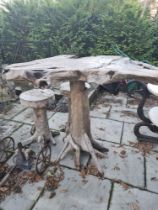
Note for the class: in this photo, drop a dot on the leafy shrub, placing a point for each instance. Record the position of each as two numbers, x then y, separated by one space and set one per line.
82 27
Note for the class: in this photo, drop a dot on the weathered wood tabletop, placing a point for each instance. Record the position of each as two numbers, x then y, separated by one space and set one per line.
97 69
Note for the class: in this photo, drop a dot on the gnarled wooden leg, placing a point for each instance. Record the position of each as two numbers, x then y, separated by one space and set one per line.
79 134
42 130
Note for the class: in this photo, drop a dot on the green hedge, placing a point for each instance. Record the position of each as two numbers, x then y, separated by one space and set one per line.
82 27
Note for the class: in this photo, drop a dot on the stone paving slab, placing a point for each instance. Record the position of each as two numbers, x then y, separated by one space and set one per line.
101 128
58 120
117 101
76 193
100 111
123 163
114 166
124 114
13 111
129 136
68 161
133 199
24 200
26 116
106 129
150 102
132 103
152 172
49 114
7 127
22 134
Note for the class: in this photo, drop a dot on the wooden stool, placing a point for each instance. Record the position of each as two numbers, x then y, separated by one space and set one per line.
38 100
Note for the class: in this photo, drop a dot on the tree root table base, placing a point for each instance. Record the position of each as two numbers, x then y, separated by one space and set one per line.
78 137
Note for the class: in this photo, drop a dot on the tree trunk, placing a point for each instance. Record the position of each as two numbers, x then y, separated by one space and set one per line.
79 133
79 119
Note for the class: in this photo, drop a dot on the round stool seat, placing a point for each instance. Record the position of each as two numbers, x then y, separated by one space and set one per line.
153 115
65 88
153 89
36 98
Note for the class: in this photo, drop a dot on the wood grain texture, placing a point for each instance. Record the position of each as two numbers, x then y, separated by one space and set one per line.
97 69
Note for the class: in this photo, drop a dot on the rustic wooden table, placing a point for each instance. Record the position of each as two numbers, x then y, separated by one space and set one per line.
94 69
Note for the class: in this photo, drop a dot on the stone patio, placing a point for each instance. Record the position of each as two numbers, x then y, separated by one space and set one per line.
130 179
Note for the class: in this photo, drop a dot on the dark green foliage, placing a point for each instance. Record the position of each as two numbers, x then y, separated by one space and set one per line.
82 27
155 40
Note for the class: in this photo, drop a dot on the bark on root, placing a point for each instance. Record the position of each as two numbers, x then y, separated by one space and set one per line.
79 136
